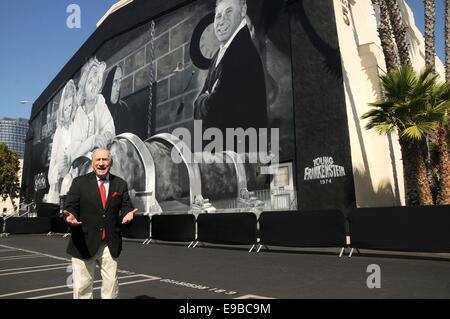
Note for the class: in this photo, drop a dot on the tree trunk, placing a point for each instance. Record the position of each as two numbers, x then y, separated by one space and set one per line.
399 31
447 40
444 168
385 34
430 20
447 45
418 190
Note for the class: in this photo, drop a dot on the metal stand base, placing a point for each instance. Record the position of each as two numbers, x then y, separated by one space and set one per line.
343 250
351 252
260 246
147 241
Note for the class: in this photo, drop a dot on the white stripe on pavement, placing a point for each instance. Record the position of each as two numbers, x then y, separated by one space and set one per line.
97 288
33 267
20 257
56 287
31 271
36 253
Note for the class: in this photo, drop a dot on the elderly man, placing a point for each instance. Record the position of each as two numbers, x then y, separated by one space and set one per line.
234 93
97 204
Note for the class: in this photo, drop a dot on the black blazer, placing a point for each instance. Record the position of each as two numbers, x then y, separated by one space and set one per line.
84 202
239 99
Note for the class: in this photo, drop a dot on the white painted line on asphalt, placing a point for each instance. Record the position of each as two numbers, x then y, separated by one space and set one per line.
20 257
65 259
12 256
119 271
31 271
57 287
201 287
33 267
253 297
97 288
56 257
36 253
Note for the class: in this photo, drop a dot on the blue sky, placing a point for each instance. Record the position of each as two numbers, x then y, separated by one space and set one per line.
36 44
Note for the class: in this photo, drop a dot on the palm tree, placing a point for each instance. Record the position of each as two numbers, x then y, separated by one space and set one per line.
399 31
440 100
386 38
441 97
430 19
405 109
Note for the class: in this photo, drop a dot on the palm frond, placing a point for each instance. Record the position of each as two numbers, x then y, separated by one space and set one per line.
384 128
426 80
412 103
441 108
418 131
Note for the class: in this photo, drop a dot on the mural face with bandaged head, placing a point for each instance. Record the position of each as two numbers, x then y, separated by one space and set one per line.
90 83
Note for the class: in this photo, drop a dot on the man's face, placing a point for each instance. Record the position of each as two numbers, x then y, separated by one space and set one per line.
229 14
101 162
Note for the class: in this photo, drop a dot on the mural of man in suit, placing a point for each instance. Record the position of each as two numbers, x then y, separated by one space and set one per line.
234 93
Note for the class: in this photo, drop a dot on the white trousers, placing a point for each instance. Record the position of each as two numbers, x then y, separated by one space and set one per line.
84 271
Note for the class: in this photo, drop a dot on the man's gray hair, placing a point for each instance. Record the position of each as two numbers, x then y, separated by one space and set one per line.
101 149
241 2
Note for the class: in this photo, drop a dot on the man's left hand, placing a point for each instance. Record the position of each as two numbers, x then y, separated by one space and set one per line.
129 217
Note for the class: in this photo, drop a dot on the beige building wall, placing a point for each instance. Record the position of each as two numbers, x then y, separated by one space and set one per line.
6 205
376 159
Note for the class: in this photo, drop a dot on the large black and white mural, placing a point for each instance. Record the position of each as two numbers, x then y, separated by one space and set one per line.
196 106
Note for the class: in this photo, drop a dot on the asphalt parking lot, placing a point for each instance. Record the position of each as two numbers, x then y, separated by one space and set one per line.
37 267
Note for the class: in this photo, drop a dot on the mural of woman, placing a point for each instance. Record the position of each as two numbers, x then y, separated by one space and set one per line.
93 126
59 161
117 107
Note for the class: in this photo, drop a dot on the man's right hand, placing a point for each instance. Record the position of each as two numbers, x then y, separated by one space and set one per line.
71 219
